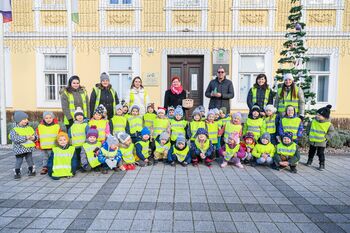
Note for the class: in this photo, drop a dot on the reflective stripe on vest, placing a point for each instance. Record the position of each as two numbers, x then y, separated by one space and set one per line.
72 106
135 124
271 124
254 95
119 124
25 131
181 154
231 128
203 148
47 135
109 154
148 119
231 152
62 161
89 151
177 128
194 126
286 150
288 100
98 97
159 126
161 148
132 98
78 134
101 127
145 148
213 129
254 126
318 131
291 125
128 154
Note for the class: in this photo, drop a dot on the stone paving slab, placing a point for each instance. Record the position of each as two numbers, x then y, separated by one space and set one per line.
167 199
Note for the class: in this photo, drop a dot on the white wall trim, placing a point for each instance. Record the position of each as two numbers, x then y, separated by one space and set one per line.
8 78
186 51
267 52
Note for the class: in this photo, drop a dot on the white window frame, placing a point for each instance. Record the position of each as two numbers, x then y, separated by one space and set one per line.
333 55
338 6
269 5
171 6
106 5
237 52
41 101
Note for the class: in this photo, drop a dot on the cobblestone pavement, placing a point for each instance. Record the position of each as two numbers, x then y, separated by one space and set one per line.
167 199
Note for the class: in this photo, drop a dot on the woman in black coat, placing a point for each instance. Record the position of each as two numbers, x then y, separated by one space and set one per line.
175 95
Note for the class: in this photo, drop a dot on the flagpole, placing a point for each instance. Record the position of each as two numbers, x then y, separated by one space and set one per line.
70 38
2 85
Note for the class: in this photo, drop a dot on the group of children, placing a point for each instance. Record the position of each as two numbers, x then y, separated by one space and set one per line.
129 139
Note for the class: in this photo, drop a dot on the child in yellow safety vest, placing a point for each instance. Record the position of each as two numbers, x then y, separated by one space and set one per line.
291 123
110 156
63 160
149 116
264 151
320 131
118 122
89 150
162 147
142 147
178 125
229 151
23 138
126 147
246 149
195 124
134 123
223 116
126 111
202 148
100 122
287 153
47 132
160 124
255 124
272 121
171 112
213 128
233 126
180 152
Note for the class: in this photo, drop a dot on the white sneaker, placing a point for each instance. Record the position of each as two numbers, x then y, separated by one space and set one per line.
239 165
224 164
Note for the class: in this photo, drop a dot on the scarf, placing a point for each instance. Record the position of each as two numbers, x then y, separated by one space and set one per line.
176 90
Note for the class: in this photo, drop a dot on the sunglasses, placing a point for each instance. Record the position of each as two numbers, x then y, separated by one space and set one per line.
221 72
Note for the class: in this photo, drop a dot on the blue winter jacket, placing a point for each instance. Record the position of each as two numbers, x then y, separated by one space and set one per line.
102 158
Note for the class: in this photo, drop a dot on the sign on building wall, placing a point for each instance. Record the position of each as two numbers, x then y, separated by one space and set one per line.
150 79
221 57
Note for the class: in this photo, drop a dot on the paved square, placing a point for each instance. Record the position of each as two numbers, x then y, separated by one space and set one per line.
167 199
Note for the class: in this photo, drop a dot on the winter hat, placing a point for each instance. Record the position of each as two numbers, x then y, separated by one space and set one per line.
78 112
104 76
288 76
134 106
237 115
145 131
248 135
171 108
62 134
202 131
216 111
196 112
201 108
150 105
18 116
161 110
266 136
112 140
48 113
223 110
179 111
288 135
270 107
210 112
74 77
234 136
325 111
119 106
92 132
255 108
180 139
123 137
164 136
100 109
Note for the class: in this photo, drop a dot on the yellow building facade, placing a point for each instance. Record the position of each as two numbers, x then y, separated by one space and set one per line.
157 39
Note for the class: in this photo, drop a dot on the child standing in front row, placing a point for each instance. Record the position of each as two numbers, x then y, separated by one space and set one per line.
177 125
202 149
321 130
160 124
180 152
47 132
101 123
213 129
255 123
229 151
90 149
109 155
23 137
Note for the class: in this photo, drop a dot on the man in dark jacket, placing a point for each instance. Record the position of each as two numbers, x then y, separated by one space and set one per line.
220 91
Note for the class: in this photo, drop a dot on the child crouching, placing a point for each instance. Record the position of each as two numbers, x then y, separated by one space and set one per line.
229 151
126 147
180 152
143 149
287 153
162 147
90 150
109 155
202 148
264 151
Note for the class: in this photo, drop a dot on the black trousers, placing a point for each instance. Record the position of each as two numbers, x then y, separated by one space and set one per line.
320 153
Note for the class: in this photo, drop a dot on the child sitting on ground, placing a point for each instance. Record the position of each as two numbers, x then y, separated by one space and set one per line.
109 155
180 152
287 153
229 151
90 150
126 147
264 151
143 148
23 137
202 149
162 147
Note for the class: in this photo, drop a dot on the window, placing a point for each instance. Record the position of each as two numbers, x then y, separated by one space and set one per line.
186 3
250 67
55 71
120 1
252 3
322 2
120 71
320 72
51 4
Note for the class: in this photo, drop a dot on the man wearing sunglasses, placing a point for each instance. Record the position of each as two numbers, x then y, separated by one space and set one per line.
220 91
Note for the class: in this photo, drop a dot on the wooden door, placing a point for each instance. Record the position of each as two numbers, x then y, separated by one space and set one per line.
190 70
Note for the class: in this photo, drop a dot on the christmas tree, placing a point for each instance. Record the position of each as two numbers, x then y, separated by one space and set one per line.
293 59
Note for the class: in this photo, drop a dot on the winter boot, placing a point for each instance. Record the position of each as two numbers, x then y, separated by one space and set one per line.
195 162
321 167
184 164
31 171
172 164
309 162
17 174
293 169
208 162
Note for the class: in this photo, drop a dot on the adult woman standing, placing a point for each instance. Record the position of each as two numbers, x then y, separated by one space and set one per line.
104 94
138 95
73 96
175 95
290 94
260 94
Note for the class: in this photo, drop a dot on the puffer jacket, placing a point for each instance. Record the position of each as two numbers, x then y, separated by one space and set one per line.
225 88
106 100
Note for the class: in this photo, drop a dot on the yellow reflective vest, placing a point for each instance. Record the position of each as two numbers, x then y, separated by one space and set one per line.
288 100
203 148
260 149
287 150
148 119
213 129
62 161
177 128
128 154
291 125
254 95
47 135
255 126
89 151
318 131
135 124
98 97
25 131
119 124
159 126
161 148
230 153
181 154
194 126
145 148
101 127
270 124
72 106
232 128
78 134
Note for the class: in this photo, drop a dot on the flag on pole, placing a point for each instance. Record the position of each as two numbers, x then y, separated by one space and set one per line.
6 10
75 15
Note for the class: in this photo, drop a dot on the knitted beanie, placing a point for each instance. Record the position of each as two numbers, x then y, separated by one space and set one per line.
171 108
237 115
104 76
255 108
288 76
223 110
123 137
92 132
135 107
266 136
150 105
234 136
210 112
325 111
161 110
179 111
270 107
112 140
201 108
216 111
145 131
118 106
100 109
196 112
248 135
164 136
288 135
18 116
78 112
48 113
180 139
202 131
